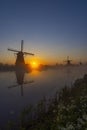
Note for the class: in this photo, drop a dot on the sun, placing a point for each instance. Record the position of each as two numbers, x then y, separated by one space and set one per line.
34 65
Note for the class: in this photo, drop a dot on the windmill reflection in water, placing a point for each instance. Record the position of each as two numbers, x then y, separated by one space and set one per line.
20 80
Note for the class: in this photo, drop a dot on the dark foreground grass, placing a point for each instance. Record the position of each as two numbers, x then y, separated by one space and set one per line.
67 110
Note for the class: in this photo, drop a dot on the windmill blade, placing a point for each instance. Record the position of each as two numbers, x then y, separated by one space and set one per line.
13 86
28 82
26 53
68 59
12 50
22 45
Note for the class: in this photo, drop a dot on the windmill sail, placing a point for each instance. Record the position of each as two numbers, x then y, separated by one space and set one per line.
9 49
22 45
26 53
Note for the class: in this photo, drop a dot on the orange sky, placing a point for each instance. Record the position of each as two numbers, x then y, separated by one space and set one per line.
10 58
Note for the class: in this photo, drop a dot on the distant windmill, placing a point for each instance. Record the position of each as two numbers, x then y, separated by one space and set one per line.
80 63
20 55
68 61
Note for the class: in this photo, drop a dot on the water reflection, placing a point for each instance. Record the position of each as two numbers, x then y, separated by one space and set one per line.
46 84
20 81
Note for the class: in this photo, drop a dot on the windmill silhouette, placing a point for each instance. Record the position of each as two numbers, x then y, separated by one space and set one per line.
68 61
80 63
20 56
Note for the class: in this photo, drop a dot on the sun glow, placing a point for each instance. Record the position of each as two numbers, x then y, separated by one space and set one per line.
34 65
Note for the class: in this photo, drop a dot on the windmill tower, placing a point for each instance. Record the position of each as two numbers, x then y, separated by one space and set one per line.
68 61
20 56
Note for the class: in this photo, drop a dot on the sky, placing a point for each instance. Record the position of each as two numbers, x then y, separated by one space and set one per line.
51 29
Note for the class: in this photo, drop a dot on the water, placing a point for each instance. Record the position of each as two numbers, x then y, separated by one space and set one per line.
17 90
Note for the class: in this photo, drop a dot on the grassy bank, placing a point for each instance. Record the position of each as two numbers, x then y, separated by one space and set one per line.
67 110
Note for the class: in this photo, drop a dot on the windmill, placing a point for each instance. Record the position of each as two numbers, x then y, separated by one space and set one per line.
20 56
80 63
68 61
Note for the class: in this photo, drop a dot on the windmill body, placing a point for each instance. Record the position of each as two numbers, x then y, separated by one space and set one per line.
68 62
20 59
20 63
